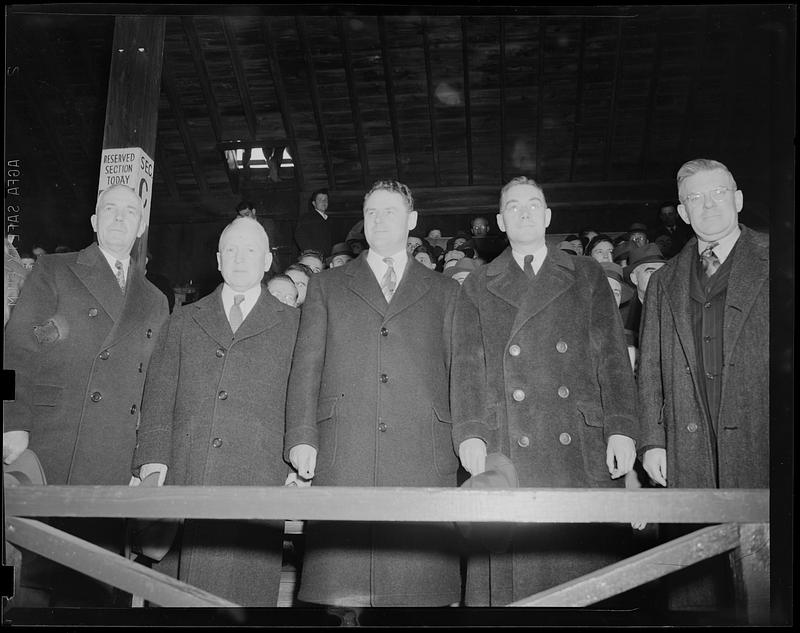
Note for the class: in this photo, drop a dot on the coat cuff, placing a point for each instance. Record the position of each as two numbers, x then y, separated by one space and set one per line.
621 425
152 447
294 437
467 430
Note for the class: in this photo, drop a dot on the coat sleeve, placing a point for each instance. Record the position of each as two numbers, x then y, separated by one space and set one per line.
306 373
650 378
613 366
36 306
154 435
469 387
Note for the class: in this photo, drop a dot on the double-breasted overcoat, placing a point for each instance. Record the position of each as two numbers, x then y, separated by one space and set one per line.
672 411
214 413
369 390
541 374
80 349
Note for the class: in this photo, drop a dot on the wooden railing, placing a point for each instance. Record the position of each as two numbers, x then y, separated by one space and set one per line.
739 518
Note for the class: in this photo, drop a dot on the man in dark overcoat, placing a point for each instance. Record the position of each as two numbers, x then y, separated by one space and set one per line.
313 231
541 374
368 406
214 411
79 341
704 352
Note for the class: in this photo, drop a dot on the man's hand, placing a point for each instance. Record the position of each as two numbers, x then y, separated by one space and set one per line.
620 455
147 470
655 465
632 483
303 459
472 453
14 443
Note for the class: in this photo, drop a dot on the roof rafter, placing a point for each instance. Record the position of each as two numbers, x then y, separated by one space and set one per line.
467 97
352 93
241 78
390 98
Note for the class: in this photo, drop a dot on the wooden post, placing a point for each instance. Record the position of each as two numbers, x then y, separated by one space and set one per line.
134 86
751 572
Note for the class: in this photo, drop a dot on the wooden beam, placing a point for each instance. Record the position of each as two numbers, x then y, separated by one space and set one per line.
313 91
540 100
578 101
241 79
638 570
751 565
203 79
740 48
523 505
107 566
651 98
467 97
612 112
426 47
701 38
502 73
163 168
347 59
283 101
174 100
390 99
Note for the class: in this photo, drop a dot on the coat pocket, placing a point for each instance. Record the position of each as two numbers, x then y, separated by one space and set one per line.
445 459
326 429
46 395
593 443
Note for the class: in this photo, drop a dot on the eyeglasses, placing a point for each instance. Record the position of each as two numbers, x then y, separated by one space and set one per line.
515 208
695 199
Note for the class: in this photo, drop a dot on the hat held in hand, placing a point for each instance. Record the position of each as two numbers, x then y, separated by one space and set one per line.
500 474
25 470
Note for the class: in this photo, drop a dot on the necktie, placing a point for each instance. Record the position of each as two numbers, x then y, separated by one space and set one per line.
709 260
389 279
528 268
236 317
120 275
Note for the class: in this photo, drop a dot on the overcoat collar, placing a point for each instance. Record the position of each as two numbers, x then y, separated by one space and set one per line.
92 269
209 314
413 285
506 281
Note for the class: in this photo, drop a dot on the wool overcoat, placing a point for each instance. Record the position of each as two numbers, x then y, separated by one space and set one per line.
214 413
369 390
541 374
672 411
80 349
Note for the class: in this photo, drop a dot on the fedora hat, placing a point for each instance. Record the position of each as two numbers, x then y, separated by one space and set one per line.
26 470
614 271
642 255
500 474
152 538
464 264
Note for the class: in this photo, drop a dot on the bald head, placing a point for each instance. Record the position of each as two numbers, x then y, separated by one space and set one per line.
244 254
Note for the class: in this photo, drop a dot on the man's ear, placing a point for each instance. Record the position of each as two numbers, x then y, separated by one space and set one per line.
738 198
93 221
219 262
412 219
267 261
683 213
548 214
142 227
500 223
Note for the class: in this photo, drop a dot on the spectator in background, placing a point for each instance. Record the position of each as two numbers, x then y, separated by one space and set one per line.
435 234
480 226
246 209
451 257
315 260
457 240
672 233
461 269
577 243
637 235
643 262
27 260
600 248
63 249
313 230
300 275
486 246
587 233
340 255
425 256
567 247
38 251
412 243
283 289
622 248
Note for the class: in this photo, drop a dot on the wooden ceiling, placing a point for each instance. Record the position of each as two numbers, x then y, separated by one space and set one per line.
599 104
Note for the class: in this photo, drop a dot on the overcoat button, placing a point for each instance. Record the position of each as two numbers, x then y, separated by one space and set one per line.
141 365
92 312
384 378
382 427
687 369
514 350
96 396
216 442
149 333
561 346
384 332
563 392
691 427
133 409
518 395
524 441
565 438
709 375
707 305
222 395
220 352
105 354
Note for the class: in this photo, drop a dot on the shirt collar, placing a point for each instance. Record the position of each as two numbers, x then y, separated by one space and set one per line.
538 257
724 245
250 298
113 259
378 267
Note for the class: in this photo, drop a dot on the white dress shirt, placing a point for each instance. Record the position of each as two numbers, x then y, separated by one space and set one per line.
112 261
724 246
379 268
538 258
250 298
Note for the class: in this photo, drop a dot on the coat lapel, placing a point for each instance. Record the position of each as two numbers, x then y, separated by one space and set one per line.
263 316
363 283
413 286
749 272
92 269
137 306
210 316
503 281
